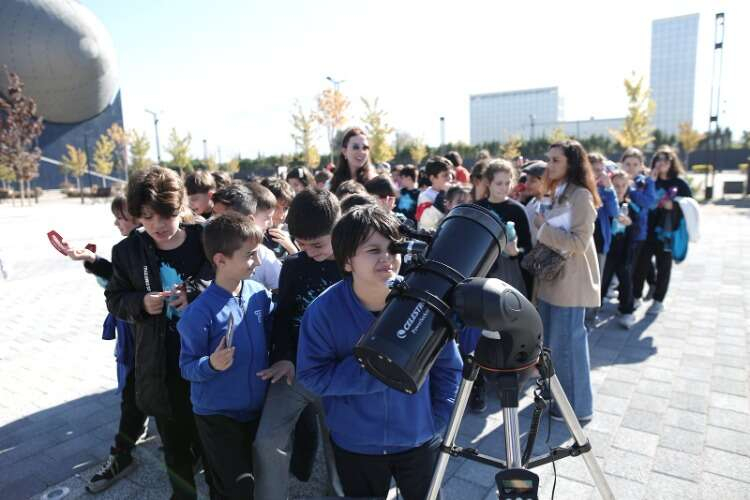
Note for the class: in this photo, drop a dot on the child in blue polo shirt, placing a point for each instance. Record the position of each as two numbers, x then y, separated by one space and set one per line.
377 432
223 335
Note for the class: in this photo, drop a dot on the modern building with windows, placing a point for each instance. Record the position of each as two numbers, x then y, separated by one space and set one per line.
497 116
674 45
528 114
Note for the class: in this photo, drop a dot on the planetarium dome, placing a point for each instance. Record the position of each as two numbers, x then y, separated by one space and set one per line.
63 54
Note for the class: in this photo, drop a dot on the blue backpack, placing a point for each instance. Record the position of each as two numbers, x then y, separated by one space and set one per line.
680 239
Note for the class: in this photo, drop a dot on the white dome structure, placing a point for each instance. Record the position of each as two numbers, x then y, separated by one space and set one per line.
63 54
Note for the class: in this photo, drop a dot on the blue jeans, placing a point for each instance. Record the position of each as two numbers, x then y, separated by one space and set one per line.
565 334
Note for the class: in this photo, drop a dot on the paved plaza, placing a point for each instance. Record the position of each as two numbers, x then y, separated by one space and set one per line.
671 395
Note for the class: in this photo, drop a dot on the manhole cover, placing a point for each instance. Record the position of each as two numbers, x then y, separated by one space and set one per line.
56 493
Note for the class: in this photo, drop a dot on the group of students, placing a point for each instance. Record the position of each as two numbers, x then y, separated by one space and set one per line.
236 318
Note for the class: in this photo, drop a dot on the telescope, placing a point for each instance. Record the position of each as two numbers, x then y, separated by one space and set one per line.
443 290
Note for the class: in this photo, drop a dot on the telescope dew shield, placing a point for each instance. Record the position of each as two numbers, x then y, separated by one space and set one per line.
402 344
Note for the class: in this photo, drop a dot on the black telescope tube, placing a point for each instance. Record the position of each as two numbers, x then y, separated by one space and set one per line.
402 344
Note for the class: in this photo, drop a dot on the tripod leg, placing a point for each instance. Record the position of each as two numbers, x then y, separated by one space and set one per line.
452 431
512 438
558 395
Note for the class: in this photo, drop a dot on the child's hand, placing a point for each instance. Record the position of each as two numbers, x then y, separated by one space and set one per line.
277 371
153 303
282 239
81 254
604 180
178 299
625 220
223 356
512 248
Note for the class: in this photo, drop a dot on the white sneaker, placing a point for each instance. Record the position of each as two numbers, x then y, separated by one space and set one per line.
656 308
627 321
637 303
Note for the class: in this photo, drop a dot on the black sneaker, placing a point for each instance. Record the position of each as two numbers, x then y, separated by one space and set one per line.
115 468
477 404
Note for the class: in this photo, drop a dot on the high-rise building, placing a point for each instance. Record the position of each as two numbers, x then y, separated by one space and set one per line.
674 44
497 116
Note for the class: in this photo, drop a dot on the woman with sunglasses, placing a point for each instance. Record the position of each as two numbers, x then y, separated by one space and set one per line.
666 170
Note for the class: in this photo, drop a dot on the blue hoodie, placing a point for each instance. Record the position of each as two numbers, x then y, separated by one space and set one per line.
604 214
643 198
237 392
364 415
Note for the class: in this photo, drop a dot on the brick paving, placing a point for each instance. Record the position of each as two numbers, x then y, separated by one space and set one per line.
671 395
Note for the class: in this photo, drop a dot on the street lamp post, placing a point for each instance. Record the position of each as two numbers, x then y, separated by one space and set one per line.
156 129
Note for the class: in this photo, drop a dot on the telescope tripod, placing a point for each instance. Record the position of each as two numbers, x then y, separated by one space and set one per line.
515 480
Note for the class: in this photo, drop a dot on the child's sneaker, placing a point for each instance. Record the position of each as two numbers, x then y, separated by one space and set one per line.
115 468
627 321
656 308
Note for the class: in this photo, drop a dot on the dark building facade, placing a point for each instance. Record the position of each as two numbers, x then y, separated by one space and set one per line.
83 135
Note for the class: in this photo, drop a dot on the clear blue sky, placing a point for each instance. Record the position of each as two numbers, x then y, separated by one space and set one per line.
229 71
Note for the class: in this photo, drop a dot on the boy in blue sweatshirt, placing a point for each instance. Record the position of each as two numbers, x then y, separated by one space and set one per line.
223 336
377 432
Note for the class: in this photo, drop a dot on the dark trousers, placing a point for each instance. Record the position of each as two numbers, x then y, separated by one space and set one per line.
650 249
620 262
178 433
228 445
132 420
370 475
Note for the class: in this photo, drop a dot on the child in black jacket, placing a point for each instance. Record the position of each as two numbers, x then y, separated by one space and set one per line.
157 270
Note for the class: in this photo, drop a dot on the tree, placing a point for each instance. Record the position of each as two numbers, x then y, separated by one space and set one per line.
637 129
304 135
121 140
332 106
139 147
77 163
211 164
512 148
663 138
558 135
6 175
417 151
20 128
103 151
232 167
745 141
179 148
377 132
689 139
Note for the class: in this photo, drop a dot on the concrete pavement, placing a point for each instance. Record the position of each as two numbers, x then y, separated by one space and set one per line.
671 394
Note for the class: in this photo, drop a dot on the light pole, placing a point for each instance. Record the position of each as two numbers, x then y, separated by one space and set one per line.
205 151
336 84
156 129
442 130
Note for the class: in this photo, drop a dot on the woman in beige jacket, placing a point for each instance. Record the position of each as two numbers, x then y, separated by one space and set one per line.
568 228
